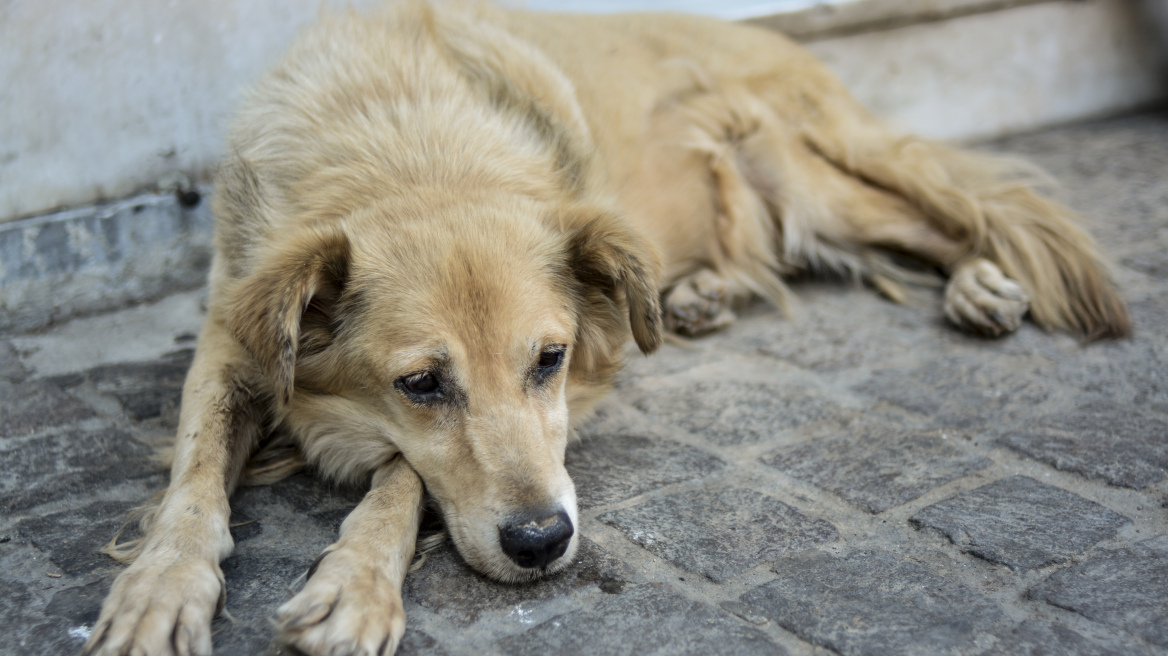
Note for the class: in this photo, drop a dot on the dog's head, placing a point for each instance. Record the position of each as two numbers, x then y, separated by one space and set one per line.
466 335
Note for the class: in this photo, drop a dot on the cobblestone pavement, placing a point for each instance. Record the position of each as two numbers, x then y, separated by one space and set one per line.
858 478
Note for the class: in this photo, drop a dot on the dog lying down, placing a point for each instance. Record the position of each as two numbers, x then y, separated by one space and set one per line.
436 230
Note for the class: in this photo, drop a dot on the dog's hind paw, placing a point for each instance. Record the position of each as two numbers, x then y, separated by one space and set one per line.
159 606
350 606
699 304
981 299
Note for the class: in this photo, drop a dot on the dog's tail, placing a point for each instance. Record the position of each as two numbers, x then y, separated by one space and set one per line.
989 206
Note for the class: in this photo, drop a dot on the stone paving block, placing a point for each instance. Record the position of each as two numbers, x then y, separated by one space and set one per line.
34 406
258 581
1034 638
72 538
144 389
879 467
874 603
719 533
959 392
1108 441
27 627
1125 588
646 620
52 467
11 369
729 413
448 586
417 643
608 468
1021 523
835 330
301 507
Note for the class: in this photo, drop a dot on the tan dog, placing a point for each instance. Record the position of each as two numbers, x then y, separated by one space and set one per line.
436 231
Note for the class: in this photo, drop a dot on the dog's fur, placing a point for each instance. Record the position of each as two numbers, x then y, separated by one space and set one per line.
484 206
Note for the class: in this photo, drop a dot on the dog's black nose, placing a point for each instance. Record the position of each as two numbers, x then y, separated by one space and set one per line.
534 541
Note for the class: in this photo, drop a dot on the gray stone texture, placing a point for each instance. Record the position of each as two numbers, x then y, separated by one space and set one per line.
874 603
1114 442
611 467
145 390
958 392
1020 522
649 619
877 467
1050 639
35 406
730 412
448 586
96 258
71 464
719 533
1126 588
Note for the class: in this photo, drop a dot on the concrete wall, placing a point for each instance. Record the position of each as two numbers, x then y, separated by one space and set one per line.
100 100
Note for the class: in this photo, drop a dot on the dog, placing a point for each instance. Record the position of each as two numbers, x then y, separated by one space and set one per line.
437 229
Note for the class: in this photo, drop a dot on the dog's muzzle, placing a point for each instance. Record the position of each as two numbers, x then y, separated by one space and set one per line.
536 540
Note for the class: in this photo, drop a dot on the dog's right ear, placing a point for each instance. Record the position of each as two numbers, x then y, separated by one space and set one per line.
289 301
607 255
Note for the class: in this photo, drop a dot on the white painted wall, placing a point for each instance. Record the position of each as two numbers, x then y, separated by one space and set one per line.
1007 71
102 98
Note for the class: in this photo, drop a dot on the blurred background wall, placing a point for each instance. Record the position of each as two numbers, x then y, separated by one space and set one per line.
102 99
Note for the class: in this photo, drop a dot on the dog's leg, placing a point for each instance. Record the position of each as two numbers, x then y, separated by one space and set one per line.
351 602
987 206
165 601
701 302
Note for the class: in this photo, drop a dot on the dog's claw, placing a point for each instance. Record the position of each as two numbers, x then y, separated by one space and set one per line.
980 299
698 304
350 607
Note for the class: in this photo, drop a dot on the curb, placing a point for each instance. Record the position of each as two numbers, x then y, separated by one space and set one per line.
101 257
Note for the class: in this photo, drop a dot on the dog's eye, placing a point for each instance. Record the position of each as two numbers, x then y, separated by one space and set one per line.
423 384
550 360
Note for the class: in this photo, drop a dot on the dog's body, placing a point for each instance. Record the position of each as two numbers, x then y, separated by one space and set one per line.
436 231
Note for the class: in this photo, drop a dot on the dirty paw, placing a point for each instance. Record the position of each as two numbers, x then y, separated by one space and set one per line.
349 606
981 299
159 606
698 304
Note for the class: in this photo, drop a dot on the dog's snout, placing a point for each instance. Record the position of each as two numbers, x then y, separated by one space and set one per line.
536 540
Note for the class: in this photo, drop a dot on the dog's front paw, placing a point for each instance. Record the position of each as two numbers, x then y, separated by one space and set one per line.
698 304
160 605
350 606
982 299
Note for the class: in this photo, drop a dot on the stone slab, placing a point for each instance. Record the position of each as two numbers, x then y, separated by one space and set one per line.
449 587
1125 588
72 538
35 406
73 463
1108 441
879 467
1021 523
647 620
144 389
719 533
955 391
1035 638
729 413
873 603
612 467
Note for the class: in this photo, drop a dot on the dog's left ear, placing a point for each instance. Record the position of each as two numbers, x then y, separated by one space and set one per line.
287 305
606 254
